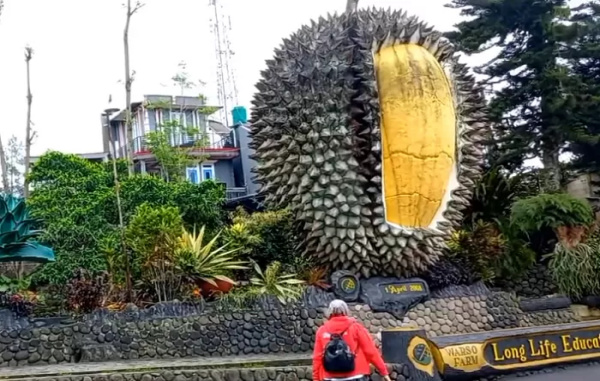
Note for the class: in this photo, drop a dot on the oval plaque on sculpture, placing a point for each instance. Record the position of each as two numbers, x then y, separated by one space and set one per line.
393 295
345 285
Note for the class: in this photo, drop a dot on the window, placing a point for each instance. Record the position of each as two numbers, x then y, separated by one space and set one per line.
176 116
192 175
208 172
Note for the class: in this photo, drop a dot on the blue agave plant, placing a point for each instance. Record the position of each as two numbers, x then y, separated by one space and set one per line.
17 233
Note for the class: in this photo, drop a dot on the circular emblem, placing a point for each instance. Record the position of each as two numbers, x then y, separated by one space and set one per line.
422 354
348 285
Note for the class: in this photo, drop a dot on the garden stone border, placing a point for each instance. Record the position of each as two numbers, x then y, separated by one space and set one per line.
399 372
546 303
591 301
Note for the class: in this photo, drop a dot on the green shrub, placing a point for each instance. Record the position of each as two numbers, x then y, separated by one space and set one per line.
479 249
539 217
489 251
271 282
77 201
199 204
74 198
575 269
152 237
550 211
264 236
517 256
493 197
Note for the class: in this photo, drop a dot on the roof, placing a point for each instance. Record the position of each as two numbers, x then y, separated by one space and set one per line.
88 155
218 127
120 116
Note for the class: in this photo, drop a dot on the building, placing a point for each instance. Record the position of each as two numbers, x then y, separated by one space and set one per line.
586 186
223 156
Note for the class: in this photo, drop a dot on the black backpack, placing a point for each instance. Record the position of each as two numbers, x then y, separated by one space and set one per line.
338 358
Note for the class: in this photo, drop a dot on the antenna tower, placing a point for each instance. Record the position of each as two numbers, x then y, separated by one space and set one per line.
220 27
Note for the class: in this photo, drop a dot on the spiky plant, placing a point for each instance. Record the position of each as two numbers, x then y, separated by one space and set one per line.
206 261
18 233
272 282
369 129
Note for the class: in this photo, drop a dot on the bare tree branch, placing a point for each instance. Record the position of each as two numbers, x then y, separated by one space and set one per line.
28 135
129 76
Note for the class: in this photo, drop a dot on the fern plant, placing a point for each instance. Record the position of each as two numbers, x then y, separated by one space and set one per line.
550 211
272 282
575 269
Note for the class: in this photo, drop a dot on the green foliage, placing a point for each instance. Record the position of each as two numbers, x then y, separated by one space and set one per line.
535 113
575 269
205 261
490 251
18 233
199 204
271 282
12 285
264 236
481 248
75 199
173 160
552 211
151 235
493 197
517 257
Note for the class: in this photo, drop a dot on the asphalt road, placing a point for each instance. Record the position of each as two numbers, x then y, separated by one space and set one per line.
576 373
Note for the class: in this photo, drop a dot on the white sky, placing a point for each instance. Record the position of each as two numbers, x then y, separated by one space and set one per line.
78 59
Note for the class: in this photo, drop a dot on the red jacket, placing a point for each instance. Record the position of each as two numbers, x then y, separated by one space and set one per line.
358 339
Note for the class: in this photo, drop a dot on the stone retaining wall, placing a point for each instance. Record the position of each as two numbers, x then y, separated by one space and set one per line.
295 373
287 329
536 283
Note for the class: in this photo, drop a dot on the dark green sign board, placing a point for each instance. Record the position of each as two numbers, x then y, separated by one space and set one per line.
511 350
541 348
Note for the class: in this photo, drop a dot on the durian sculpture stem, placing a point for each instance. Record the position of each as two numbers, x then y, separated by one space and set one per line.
369 129
351 6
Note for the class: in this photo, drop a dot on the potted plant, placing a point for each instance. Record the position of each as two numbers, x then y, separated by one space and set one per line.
207 265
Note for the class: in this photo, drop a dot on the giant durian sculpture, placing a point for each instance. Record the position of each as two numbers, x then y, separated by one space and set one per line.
369 129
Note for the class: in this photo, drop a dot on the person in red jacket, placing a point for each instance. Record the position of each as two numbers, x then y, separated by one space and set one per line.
359 341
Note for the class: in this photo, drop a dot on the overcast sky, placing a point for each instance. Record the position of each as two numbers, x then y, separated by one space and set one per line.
78 59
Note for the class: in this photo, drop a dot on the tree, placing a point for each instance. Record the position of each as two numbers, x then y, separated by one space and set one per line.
129 76
174 159
584 58
14 164
29 134
533 111
2 155
3 168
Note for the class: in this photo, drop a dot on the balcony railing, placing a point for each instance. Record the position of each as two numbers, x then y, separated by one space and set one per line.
233 193
206 141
